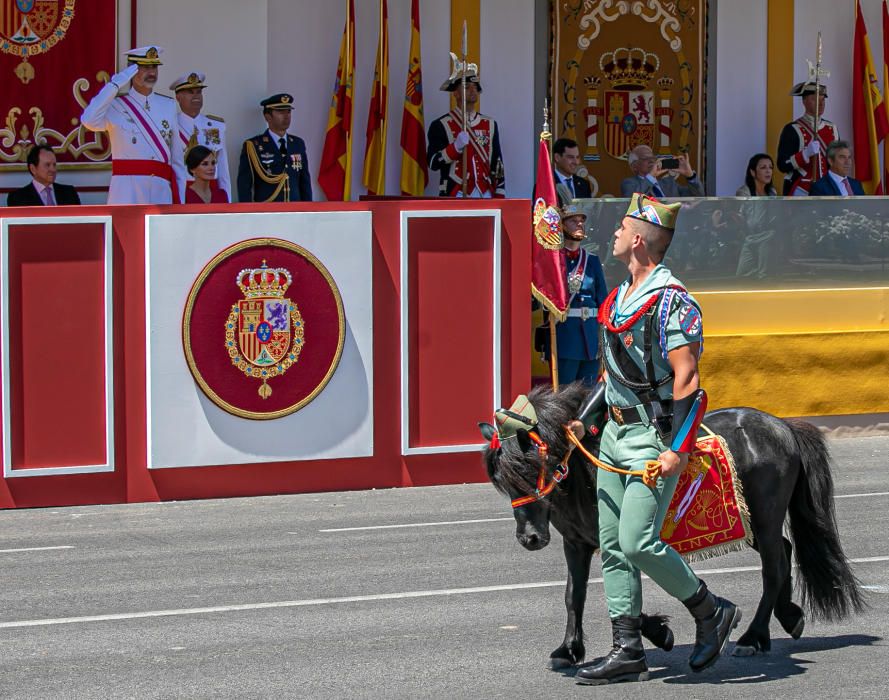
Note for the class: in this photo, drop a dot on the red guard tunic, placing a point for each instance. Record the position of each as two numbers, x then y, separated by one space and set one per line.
484 162
801 171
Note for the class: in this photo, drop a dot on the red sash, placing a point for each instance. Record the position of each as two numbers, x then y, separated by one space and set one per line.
149 168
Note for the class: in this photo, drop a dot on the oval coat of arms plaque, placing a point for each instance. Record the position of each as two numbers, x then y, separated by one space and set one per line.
263 328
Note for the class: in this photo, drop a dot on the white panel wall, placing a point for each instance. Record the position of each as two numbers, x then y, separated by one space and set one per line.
507 73
741 30
836 21
304 43
226 39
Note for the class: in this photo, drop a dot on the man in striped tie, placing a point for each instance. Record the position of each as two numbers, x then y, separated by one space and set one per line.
147 163
837 182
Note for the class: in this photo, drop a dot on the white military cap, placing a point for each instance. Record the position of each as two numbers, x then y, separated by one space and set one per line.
145 56
187 81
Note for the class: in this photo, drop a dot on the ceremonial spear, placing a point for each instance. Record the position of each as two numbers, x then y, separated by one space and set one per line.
817 73
463 48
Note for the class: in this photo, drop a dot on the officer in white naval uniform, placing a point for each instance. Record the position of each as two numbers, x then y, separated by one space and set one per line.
196 129
147 165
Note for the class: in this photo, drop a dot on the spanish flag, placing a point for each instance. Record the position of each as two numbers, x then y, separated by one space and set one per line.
375 151
870 123
885 89
335 173
548 274
414 169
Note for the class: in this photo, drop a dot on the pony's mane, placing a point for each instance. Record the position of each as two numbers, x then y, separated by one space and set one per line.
514 466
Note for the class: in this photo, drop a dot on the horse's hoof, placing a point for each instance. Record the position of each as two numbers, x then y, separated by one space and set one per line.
798 628
743 650
559 664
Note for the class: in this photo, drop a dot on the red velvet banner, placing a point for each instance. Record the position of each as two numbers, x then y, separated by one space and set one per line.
54 56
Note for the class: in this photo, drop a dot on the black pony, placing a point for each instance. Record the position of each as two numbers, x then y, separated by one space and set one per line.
784 468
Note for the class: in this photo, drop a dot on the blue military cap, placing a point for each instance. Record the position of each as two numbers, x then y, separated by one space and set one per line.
280 101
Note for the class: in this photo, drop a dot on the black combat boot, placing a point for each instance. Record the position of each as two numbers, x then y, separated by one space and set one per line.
715 618
625 661
656 629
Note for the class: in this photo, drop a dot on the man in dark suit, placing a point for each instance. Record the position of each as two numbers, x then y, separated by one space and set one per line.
566 160
43 189
274 166
837 182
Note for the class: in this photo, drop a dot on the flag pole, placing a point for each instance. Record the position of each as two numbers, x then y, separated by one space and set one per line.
464 49
817 168
546 135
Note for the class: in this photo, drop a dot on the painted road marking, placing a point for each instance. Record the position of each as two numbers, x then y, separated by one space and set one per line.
395 527
35 549
405 595
864 495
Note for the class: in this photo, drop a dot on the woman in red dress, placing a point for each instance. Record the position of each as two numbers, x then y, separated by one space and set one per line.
201 164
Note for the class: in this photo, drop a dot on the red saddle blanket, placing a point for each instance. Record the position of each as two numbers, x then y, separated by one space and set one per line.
708 516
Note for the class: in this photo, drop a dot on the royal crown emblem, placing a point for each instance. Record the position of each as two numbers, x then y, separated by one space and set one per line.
151 54
193 79
31 27
264 333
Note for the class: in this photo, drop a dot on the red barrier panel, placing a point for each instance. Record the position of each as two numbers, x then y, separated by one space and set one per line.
450 320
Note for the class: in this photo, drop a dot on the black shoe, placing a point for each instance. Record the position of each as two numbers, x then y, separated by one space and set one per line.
656 629
715 618
625 661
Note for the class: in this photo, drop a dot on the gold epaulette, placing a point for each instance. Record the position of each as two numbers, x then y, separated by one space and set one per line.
160 94
215 118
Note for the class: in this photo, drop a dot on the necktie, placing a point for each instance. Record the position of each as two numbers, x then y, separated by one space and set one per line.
656 189
48 199
570 182
282 147
847 186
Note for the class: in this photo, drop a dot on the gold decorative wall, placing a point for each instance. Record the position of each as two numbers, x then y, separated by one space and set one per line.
625 73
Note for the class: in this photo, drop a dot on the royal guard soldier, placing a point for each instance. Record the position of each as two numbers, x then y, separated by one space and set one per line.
480 140
197 129
274 166
577 337
147 164
802 154
651 341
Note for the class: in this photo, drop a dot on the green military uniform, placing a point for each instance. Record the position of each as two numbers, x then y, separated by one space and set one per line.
630 513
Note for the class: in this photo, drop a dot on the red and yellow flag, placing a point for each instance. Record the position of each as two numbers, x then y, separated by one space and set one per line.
548 274
885 88
870 123
374 178
414 169
335 173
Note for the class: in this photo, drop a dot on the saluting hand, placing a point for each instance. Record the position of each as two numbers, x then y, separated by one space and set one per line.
125 76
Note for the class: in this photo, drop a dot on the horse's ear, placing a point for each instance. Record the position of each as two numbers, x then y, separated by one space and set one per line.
488 431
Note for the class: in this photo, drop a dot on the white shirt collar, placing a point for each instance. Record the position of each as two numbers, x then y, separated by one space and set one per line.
39 187
562 176
838 181
275 138
651 178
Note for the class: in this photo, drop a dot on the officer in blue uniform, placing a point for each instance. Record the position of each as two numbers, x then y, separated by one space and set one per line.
577 337
274 166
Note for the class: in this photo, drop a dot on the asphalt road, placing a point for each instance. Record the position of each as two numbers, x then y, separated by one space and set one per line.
410 593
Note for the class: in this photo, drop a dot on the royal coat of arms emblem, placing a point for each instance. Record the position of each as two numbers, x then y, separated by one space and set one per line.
32 27
264 333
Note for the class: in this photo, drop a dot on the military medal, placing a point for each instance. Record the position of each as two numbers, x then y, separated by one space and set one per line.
628 339
575 281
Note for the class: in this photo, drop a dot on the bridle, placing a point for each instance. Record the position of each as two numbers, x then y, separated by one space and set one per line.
544 487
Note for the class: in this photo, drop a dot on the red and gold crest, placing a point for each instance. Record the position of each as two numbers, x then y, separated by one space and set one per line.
263 328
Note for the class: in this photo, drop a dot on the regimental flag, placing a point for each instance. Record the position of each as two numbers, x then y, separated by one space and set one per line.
374 178
414 168
870 123
335 173
548 274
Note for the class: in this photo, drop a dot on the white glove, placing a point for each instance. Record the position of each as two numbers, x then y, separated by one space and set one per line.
125 76
461 141
813 149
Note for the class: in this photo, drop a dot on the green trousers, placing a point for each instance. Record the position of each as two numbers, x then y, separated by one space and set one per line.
630 518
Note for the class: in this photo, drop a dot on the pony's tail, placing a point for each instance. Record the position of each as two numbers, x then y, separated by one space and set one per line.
829 588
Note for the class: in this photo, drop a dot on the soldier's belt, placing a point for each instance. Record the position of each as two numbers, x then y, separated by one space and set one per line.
142 167
631 415
584 312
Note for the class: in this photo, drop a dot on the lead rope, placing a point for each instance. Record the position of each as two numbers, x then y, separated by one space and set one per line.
649 475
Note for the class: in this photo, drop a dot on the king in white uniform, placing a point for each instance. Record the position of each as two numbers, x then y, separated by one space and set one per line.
196 129
147 165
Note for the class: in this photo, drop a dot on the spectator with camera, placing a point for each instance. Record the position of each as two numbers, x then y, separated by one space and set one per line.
658 177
